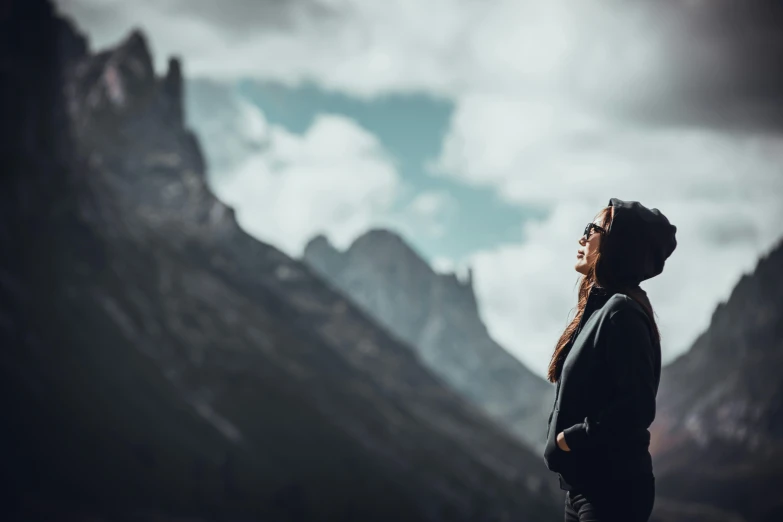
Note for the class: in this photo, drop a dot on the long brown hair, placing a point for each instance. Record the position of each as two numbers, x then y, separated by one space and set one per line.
586 284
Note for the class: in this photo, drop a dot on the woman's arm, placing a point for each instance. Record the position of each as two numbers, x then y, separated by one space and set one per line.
631 362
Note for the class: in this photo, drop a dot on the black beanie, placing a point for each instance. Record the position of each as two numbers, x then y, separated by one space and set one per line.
637 244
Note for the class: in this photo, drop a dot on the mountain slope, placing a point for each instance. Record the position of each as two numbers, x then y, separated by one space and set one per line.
438 315
159 363
718 436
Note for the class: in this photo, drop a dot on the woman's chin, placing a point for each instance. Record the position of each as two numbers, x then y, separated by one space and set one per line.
581 267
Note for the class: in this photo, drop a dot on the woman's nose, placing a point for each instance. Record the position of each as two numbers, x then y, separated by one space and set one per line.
582 241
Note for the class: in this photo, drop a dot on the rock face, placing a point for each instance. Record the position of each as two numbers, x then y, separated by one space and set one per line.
438 315
159 363
718 436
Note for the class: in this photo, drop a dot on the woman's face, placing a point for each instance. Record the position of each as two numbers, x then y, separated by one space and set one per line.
588 249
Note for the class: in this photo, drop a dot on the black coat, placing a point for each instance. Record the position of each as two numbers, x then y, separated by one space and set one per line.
605 399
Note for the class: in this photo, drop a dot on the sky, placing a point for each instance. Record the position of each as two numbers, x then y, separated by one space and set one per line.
488 134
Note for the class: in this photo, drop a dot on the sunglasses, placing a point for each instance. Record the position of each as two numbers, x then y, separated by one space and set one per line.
589 228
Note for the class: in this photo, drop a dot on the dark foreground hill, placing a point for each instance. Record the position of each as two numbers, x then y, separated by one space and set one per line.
158 363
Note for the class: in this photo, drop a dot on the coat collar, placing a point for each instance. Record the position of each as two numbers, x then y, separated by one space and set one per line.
597 298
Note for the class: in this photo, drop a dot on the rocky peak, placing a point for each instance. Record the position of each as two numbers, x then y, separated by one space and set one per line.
384 246
754 306
172 89
118 80
385 252
330 259
438 315
115 92
319 242
129 120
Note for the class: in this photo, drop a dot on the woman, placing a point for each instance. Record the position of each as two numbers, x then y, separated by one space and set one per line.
607 367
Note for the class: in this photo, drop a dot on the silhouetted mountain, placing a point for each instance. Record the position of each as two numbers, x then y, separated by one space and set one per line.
438 315
718 436
159 363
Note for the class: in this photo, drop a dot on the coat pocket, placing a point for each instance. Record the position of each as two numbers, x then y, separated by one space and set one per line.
554 456
552 453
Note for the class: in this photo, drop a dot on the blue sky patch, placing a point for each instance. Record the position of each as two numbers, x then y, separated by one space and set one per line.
411 127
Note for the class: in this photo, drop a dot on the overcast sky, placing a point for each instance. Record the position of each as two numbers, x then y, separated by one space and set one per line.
489 133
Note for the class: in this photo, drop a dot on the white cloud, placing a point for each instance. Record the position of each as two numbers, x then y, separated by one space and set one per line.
431 203
429 213
443 265
534 152
336 178
722 191
231 128
366 48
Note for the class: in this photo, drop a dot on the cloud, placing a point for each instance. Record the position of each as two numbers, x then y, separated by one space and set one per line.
725 61
721 190
370 48
233 21
543 150
443 265
231 128
430 212
336 178
663 62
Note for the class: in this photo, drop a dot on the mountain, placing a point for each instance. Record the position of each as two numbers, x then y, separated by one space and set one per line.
438 315
718 435
717 440
159 363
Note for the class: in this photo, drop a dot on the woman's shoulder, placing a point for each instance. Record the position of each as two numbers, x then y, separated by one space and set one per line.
626 312
620 302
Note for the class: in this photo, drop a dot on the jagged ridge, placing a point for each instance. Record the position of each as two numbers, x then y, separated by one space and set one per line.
438 315
719 431
162 363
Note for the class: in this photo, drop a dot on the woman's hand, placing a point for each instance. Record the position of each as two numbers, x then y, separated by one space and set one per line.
561 442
